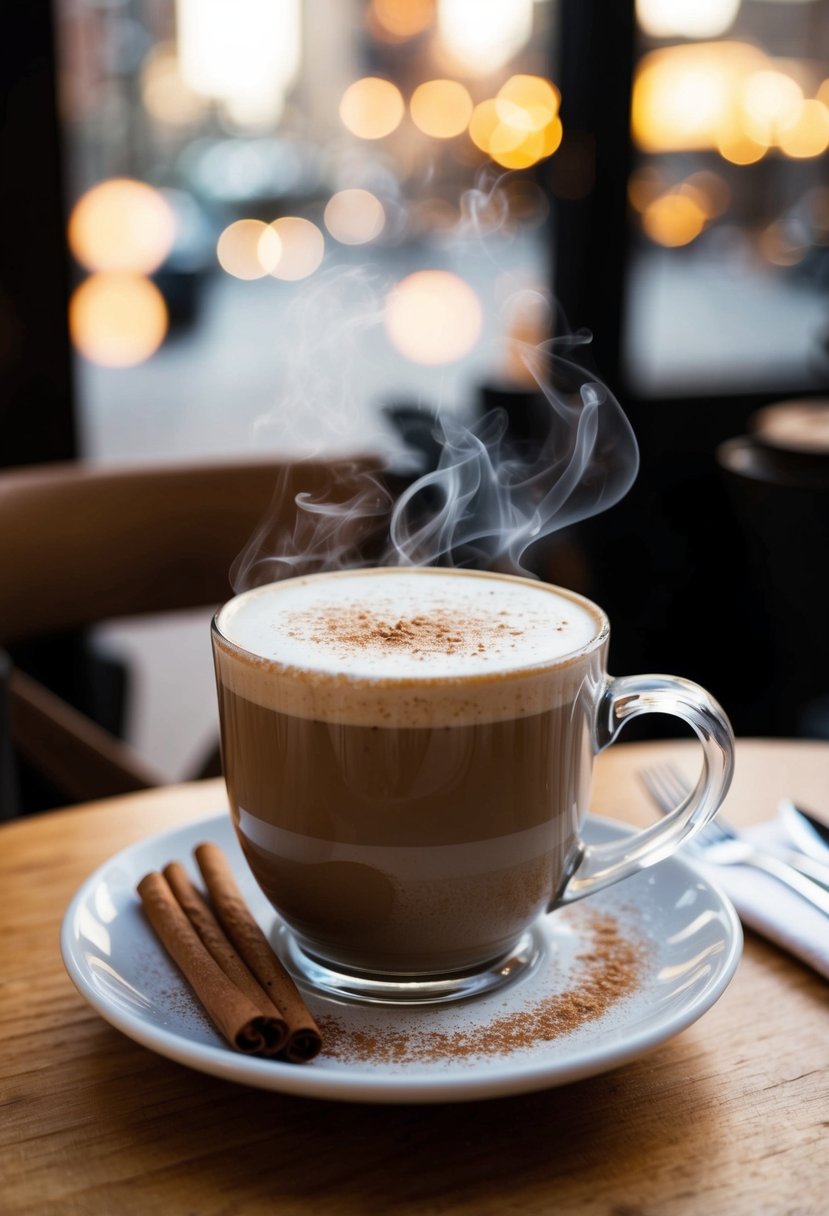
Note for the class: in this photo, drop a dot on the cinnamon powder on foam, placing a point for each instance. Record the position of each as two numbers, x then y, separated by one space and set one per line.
438 633
610 968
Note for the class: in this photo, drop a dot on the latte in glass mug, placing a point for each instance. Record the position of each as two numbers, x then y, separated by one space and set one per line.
408 756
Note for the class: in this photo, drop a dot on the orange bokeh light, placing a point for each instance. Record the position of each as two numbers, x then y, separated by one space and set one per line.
808 135
403 19
536 96
117 319
687 98
372 108
520 126
675 218
121 224
739 149
441 108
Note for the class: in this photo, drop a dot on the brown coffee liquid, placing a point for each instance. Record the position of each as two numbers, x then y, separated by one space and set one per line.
405 850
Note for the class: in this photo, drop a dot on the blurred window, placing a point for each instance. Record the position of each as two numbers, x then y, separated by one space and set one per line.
728 280
287 215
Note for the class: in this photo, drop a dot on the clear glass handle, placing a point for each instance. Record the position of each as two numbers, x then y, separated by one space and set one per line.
597 866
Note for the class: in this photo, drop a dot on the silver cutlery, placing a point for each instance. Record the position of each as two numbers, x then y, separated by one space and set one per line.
719 843
808 833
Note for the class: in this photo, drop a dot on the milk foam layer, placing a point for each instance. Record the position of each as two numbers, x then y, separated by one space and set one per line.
376 645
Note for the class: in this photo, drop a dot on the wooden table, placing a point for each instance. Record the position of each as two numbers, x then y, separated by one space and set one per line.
729 1117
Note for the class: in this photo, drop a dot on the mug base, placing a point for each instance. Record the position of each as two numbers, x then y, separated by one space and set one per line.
365 988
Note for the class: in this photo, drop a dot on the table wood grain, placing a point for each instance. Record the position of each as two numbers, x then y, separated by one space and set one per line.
731 1116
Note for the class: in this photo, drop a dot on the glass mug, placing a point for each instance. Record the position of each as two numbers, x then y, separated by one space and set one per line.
408 757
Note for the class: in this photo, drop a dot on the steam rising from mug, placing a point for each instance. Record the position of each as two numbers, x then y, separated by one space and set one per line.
491 496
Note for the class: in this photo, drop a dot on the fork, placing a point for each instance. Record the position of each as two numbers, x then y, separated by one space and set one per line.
720 844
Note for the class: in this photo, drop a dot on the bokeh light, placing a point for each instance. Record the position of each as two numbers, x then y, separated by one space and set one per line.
166 95
520 126
117 319
121 224
302 248
483 35
707 191
537 97
770 100
484 121
402 19
686 18
675 218
354 217
808 134
739 149
728 96
246 54
686 98
532 148
371 108
433 317
441 108
248 249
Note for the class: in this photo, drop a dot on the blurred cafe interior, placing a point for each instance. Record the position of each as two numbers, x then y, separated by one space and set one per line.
262 230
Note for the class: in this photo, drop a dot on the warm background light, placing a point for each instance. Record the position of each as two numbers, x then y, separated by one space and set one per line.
483 35
245 54
117 319
686 98
248 249
770 100
808 134
649 193
483 123
433 317
520 126
354 217
302 245
401 19
441 108
739 149
537 97
674 219
372 108
686 18
121 224
166 95
728 96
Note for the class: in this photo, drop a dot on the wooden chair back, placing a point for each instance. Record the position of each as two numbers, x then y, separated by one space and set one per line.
81 544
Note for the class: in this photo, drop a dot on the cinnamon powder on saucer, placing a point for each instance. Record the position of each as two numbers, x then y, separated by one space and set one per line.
609 968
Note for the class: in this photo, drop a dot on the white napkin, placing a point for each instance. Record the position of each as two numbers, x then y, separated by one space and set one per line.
769 907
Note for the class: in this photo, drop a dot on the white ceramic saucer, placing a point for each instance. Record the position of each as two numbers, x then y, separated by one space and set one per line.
685 932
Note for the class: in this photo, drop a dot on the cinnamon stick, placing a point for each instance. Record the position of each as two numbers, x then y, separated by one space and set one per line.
234 1014
198 912
304 1038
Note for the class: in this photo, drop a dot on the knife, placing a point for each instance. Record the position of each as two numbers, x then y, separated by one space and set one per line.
808 833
